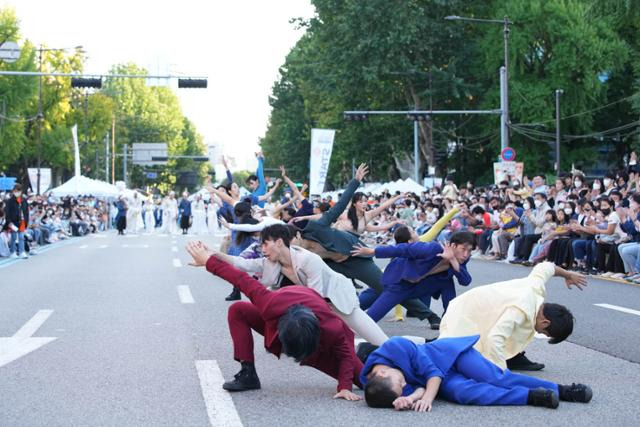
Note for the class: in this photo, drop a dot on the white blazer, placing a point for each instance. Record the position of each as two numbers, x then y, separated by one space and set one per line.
312 272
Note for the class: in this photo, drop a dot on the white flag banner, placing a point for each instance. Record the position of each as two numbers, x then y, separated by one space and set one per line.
45 179
321 147
76 149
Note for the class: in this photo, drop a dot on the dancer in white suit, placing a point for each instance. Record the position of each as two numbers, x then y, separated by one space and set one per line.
173 213
199 225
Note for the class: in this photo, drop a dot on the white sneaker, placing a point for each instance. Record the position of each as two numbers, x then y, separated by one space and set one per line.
23 255
13 255
33 252
607 274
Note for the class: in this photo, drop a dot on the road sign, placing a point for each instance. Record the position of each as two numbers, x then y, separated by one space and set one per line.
508 154
152 175
143 153
9 52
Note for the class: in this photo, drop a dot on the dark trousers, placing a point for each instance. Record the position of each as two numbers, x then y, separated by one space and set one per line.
365 270
608 258
122 224
526 244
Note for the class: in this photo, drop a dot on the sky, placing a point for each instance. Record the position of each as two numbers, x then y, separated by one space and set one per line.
238 45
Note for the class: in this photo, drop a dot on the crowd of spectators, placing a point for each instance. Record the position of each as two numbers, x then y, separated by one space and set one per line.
586 224
29 222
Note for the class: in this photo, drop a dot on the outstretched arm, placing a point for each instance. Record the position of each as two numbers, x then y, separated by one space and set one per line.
377 211
266 196
330 216
222 195
294 189
262 184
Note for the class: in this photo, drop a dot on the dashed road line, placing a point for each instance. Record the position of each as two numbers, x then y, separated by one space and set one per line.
618 308
177 262
184 293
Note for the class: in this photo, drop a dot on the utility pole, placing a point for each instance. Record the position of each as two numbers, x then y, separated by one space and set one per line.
39 118
559 92
125 149
113 150
106 157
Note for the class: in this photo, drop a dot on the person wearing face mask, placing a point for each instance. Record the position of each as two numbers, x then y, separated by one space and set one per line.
630 251
537 218
609 184
17 221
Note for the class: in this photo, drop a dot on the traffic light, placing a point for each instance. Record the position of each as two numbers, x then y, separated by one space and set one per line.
86 82
192 83
419 117
355 117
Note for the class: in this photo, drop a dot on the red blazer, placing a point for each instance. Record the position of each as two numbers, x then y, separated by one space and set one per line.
335 355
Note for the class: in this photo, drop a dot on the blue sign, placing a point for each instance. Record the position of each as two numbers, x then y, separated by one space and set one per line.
7 183
152 175
508 154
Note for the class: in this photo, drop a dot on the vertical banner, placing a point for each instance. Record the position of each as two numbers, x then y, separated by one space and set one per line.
45 179
321 147
76 149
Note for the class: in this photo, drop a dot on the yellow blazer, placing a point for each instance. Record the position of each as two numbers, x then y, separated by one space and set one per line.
502 313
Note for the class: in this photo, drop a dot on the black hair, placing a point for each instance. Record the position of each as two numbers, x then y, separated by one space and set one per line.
477 210
554 216
275 232
242 235
17 187
402 234
636 197
251 178
463 238
351 214
543 195
241 209
324 206
378 392
561 321
299 332
290 211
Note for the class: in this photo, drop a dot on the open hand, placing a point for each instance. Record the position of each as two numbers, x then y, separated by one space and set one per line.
347 395
575 279
361 172
224 222
283 171
199 252
359 250
447 252
422 405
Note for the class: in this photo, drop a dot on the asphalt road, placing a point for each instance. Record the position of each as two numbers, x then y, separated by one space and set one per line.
139 337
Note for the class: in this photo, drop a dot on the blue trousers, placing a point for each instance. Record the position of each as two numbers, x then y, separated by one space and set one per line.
585 249
474 380
398 292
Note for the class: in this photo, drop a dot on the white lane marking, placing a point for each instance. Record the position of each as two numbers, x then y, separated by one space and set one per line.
83 246
103 246
22 343
174 249
33 324
131 236
220 407
177 262
184 293
618 308
134 246
99 236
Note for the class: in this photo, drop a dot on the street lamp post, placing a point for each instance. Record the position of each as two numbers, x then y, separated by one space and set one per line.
504 140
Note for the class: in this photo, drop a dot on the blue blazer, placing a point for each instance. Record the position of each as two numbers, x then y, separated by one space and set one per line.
413 260
418 363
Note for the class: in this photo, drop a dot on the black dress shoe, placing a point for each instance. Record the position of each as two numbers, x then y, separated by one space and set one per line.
246 379
364 349
235 295
575 393
434 321
516 261
520 362
543 397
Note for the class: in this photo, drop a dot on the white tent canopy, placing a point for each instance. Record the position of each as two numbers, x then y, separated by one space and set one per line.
404 186
81 185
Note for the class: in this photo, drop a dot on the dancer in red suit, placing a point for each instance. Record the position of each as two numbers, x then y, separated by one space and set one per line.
294 320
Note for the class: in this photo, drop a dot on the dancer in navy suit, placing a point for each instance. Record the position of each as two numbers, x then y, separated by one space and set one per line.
403 375
420 270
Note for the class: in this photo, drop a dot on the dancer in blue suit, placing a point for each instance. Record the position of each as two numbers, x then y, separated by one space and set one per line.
403 375
419 270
